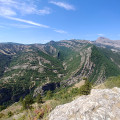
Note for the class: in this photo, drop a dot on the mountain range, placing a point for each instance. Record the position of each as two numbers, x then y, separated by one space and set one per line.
27 69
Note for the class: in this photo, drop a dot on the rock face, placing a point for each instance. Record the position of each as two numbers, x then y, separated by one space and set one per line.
42 89
101 104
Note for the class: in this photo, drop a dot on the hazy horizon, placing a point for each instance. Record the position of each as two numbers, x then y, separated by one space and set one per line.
49 41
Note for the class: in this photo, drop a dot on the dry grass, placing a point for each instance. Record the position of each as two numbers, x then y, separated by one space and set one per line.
15 108
78 85
101 86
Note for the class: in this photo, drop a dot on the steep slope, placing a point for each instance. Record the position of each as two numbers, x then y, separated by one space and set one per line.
26 70
105 65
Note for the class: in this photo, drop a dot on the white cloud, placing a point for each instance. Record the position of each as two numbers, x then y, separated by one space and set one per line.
16 26
11 9
16 7
60 31
21 25
100 34
7 2
44 11
28 22
4 11
63 5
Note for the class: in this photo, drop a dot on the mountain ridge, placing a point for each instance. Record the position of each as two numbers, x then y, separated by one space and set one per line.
108 42
24 68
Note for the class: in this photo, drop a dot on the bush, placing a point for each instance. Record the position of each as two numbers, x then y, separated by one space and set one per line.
21 99
10 114
39 99
26 103
85 89
74 91
49 94
2 107
84 78
1 115
40 114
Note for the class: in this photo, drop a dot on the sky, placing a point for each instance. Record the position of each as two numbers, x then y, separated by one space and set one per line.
40 21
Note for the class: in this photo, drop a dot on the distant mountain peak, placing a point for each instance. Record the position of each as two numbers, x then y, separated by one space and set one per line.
108 42
102 39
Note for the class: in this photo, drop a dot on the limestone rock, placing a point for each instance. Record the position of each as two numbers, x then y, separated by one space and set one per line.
101 104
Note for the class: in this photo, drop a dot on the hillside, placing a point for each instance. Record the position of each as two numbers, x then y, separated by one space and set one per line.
38 68
110 83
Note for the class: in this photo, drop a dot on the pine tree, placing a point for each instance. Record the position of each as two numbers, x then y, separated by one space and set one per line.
85 89
39 99
28 100
49 94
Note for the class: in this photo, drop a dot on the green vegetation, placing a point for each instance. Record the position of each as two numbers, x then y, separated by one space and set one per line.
21 81
22 118
34 66
10 114
1 115
39 99
71 57
66 94
4 62
49 94
115 56
26 103
21 100
112 82
102 63
2 107
85 89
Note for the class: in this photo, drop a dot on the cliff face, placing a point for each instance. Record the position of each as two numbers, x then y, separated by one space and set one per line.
101 104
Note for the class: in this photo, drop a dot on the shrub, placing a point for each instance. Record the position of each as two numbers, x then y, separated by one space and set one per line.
43 111
22 118
49 94
84 78
40 114
21 99
85 89
26 103
1 115
10 114
2 107
39 99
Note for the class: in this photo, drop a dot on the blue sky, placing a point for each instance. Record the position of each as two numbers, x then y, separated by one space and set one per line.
39 21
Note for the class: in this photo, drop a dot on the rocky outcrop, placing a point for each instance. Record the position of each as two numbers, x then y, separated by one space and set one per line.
101 104
42 89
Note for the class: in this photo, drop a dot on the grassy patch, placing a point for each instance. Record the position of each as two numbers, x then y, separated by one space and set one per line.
113 82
